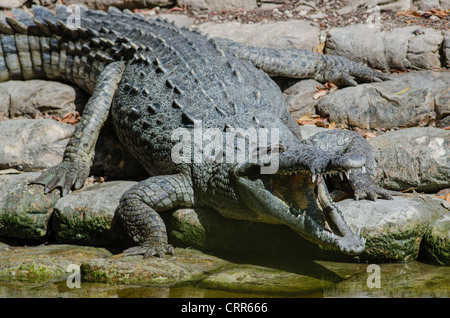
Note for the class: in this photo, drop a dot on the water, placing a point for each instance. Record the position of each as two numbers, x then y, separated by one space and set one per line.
331 279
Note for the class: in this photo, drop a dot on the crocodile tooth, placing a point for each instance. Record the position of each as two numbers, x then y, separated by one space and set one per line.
347 174
313 177
363 169
341 175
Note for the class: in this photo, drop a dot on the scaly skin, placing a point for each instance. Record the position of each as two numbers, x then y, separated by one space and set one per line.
153 79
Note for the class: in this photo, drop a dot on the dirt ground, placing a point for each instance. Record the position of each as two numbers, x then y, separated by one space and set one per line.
326 14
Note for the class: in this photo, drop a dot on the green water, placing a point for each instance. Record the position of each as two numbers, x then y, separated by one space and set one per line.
338 279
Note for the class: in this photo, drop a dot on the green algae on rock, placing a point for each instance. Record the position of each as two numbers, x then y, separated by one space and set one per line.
44 262
437 241
24 209
186 265
393 229
85 216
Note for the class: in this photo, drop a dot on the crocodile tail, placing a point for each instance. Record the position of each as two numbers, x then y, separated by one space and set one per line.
43 44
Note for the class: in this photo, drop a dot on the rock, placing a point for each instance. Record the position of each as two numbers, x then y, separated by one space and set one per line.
423 49
180 20
397 5
85 216
29 145
408 100
218 5
295 34
186 265
44 262
359 43
399 48
446 48
43 99
393 229
413 158
9 4
264 280
431 4
24 209
437 241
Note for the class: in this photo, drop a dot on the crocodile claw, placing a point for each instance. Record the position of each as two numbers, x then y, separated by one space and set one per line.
159 250
64 175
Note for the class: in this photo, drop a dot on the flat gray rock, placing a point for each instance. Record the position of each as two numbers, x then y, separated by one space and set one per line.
408 100
410 47
30 145
42 99
293 34
417 158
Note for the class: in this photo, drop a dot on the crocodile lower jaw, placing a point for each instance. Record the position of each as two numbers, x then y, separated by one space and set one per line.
302 202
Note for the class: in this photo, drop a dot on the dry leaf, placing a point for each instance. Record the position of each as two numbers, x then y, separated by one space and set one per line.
446 197
403 91
319 48
332 125
439 13
330 85
320 93
365 133
69 118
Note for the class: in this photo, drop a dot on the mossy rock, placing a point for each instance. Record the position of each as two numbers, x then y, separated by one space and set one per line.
44 262
437 241
24 209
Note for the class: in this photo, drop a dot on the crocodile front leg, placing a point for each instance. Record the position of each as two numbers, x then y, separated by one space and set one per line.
349 144
80 149
139 207
298 63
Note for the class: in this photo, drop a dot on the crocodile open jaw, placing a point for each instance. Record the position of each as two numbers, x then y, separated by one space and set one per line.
301 201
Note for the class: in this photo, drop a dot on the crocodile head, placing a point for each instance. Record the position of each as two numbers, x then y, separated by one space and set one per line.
295 197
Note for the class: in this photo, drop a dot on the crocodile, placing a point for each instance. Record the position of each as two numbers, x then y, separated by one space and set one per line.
161 84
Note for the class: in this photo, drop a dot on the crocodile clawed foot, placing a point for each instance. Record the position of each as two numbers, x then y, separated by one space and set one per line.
64 175
159 250
373 192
